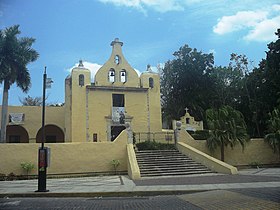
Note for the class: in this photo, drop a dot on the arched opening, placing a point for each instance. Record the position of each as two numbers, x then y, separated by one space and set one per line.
123 77
81 80
16 134
151 82
53 134
111 75
117 59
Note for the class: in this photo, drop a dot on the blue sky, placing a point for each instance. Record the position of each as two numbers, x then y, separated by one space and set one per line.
69 30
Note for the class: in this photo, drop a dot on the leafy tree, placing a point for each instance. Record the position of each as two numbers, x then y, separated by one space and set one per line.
256 110
272 72
226 85
226 127
30 101
15 54
184 82
273 138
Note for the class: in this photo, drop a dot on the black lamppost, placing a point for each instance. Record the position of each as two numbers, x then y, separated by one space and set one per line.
43 151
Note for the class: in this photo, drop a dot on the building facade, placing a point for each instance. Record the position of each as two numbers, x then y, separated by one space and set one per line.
94 111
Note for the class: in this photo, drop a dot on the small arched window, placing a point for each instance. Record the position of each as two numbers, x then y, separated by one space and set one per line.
111 75
81 80
117 59
151 82
123 77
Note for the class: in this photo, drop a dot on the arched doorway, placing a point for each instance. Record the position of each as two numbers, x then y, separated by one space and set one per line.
53 133
16 134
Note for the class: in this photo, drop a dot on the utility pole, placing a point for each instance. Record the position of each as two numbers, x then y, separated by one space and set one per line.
43 155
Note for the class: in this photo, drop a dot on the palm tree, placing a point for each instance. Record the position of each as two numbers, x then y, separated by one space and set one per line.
226 127
273 138
15 54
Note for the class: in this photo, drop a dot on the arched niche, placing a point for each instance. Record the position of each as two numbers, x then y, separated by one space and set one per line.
53 134
16 134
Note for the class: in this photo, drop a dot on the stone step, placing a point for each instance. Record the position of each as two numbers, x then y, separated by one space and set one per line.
167 162
174 173
162 156
173 168
164 160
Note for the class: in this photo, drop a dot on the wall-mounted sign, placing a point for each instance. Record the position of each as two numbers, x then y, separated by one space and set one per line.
118 115
16 118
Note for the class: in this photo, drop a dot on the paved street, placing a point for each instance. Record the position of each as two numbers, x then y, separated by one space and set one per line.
267 198
250 189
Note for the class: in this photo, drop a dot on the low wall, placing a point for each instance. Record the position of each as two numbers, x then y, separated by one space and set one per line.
256 151
210 162
132 165
67 157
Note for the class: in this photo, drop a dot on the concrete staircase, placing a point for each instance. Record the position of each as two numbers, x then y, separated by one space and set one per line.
167 163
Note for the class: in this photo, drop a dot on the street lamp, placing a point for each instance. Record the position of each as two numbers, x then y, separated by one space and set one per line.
43 154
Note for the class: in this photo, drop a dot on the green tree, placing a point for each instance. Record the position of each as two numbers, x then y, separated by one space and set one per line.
184 82
15 54
226 127
226 85
273 137
272 73
31 101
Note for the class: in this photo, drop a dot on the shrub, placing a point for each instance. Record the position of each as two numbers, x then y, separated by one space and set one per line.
152 145
115 164
200 135
27 166
2 177
11 176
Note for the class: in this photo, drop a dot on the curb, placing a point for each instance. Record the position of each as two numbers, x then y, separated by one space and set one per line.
100 194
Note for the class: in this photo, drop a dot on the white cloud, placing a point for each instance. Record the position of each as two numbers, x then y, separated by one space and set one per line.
276 7
93 67
239 21
157 5
260 25
264 31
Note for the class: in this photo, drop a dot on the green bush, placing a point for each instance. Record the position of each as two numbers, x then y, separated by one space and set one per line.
27 166
11 176
2 177
200 135
153 145
115 164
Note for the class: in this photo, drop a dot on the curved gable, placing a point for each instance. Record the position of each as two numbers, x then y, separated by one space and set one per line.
117 71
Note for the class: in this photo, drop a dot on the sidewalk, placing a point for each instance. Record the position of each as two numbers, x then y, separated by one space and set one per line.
123 186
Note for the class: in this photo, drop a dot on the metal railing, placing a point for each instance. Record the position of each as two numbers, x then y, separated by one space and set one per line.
162 137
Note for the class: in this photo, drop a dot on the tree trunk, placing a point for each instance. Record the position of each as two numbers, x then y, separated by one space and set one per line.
4 112
223 151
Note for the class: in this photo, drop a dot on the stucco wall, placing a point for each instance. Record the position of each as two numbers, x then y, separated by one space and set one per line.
67 157
33 120
257 150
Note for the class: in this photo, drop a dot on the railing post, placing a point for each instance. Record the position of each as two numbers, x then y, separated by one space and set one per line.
129 133
177 132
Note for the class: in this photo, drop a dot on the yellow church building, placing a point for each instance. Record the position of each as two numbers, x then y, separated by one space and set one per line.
94 112
88 127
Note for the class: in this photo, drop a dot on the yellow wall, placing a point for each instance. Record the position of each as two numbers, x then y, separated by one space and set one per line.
78 105
257 150
100 106
132 165
90 106
33 120
206 160
153 96
192 125
67 157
